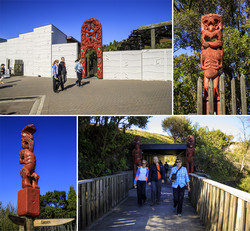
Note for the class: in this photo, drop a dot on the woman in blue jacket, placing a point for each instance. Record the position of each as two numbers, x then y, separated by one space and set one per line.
140 181
55 75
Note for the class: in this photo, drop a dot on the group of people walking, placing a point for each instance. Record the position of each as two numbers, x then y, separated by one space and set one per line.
155 177
60 74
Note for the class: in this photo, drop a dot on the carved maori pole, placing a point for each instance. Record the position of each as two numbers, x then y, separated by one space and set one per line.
91 37
211 56
190 153
137 153
28 204
29 195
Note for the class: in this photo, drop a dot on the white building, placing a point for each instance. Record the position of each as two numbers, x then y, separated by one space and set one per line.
38 49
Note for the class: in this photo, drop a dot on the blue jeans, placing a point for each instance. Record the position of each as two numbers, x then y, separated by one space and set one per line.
155 191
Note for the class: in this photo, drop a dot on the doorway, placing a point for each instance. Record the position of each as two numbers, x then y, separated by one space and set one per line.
91 59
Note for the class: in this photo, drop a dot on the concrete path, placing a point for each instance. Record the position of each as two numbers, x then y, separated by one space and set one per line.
129 216
34 95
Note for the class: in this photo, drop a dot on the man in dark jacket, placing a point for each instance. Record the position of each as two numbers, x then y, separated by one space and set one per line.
155 179
62 72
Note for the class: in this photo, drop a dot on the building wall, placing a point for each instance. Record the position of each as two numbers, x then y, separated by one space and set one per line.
58 36
34 48
138 65
70 52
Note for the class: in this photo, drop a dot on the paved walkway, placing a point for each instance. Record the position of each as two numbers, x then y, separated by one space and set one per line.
34 95
129 216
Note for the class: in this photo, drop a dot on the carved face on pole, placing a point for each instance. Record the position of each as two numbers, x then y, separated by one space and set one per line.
211 22
190 141
27 141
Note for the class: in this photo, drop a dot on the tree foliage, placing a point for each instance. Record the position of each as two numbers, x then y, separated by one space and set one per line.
178 127
103 146
210 155
236 48
5 222
57 205
185 83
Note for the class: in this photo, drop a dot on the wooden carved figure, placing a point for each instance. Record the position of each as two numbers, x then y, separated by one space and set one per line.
27 157
211 51
190 153
91 37
29 196
137 153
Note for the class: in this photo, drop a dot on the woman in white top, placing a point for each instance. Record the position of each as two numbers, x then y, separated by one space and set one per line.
140 182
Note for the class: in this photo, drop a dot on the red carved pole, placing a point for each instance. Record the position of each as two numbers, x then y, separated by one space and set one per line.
190 153
137 153
29 195
211 55
91 37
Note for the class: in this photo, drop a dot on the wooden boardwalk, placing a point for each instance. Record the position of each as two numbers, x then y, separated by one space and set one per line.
129 216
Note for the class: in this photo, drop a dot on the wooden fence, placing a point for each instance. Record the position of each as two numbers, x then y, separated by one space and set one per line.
243 97
220 207
99 195
67 227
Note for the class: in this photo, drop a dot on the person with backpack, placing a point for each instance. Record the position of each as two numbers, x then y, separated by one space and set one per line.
179 178
140 181
155 179
79 70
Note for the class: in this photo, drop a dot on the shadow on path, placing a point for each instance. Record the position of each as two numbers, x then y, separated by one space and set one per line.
69 86
6 86
129 216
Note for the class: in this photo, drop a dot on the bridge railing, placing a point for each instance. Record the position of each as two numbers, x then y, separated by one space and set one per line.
99 195
220 207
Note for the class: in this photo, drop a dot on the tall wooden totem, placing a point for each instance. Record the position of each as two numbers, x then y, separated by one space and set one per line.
29 196
211 56
137 153
190 153
91 37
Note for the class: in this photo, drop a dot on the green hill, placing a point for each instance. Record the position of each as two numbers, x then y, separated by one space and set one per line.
150 138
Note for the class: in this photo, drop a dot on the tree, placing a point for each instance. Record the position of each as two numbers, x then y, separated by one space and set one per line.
71 203
53 205
245 123
103 145
236 48
5 222
178 127
210 154
185 83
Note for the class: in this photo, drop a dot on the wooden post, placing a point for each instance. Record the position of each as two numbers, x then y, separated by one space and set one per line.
84 206
199 97
243 95
210 98
247 227
152 38
233 97
222 94
232 213
88 203
221 209
28 224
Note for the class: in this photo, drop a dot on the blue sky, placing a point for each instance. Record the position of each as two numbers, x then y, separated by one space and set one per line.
230 125
55 151
118 17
